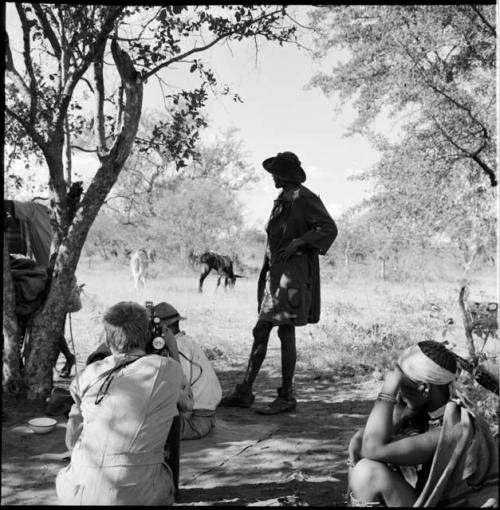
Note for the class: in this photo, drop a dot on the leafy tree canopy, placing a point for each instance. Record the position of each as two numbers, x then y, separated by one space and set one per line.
435 64
433 68
75 75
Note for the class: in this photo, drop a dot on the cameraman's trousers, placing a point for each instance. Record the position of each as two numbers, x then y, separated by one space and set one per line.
197 423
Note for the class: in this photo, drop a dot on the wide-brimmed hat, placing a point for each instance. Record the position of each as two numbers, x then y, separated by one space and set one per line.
167 313
285 165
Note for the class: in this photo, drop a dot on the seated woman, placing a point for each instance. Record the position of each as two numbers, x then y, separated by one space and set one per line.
422 444
119 423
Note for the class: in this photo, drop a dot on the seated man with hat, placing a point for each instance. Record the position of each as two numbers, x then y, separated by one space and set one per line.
205 385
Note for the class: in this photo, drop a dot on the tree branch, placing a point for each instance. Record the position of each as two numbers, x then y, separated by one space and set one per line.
30 130
47 29
13 74
112 163
484 20
82 149
100 133
439 91
119 109
27 61
112 14
186 54
489 171
147 24
88 84
132 84
208 45
472 155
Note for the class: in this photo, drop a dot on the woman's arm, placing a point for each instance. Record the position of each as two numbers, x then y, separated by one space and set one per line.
408 451
355 446
379 431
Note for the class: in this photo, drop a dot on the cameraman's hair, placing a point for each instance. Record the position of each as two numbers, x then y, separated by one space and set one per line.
126 326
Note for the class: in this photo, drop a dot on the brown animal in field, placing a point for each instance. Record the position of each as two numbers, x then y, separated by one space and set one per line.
139 263
220 263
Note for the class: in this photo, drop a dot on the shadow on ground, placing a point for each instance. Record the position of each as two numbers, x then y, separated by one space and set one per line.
249 459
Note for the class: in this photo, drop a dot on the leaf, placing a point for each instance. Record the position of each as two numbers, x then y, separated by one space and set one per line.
162 15
177 9
193 68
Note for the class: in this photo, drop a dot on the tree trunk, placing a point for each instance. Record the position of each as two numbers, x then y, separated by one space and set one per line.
469 261
346 256
467 324
43 352
382 268
66 250
11 356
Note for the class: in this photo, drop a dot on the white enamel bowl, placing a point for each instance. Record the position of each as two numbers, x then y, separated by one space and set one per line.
42 425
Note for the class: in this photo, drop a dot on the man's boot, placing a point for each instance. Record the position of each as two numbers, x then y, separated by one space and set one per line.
242 396
285 401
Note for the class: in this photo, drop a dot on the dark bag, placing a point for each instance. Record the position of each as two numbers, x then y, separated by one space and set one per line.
29 280
59 403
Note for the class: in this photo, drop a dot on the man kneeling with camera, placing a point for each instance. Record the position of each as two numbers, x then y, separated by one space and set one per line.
124 407
207 391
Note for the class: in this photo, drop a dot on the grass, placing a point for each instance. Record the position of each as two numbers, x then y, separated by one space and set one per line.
365 322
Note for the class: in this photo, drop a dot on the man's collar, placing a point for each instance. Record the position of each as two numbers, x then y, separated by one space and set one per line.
289 194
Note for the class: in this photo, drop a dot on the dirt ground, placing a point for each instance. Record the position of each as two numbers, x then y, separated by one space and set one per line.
290 459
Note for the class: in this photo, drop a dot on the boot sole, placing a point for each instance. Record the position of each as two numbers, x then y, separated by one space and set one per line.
236 404
270 410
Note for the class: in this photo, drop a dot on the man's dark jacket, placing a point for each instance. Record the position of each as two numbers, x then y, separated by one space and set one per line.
289 292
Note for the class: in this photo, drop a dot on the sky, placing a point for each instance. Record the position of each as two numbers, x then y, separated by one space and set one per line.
278 114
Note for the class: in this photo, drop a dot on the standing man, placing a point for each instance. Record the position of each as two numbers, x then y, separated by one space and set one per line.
288 290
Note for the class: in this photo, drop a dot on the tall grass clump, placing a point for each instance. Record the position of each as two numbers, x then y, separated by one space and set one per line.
366 324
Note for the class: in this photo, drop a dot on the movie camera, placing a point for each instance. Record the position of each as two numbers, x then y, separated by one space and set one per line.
156 344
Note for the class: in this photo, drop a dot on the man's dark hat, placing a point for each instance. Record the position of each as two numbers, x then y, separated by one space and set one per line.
287 166
167 313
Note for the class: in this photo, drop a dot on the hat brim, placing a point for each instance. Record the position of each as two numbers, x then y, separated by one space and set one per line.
173 319
269 166
267 163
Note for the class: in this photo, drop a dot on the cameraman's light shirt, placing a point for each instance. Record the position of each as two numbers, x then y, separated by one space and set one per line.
118 457
207 391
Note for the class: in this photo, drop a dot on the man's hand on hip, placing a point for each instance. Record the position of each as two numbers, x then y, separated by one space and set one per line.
285 253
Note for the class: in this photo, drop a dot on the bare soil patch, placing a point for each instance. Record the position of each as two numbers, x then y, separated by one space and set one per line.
250 459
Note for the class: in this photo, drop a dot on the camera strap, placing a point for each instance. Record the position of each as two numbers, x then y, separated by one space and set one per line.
110 372
193 362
